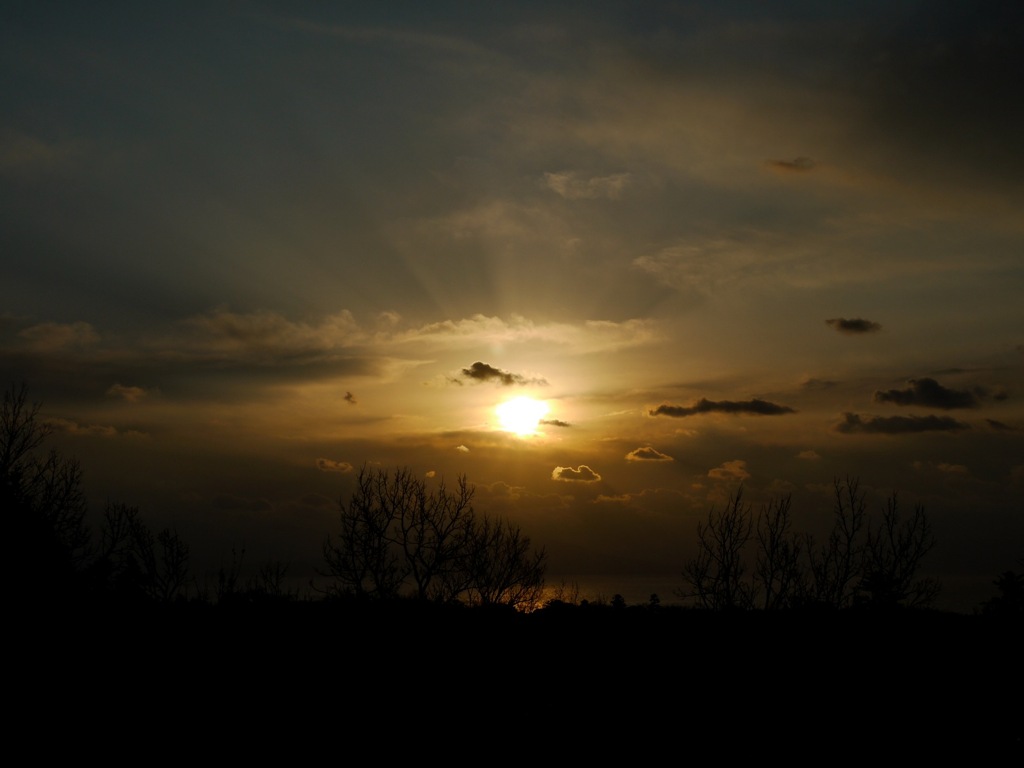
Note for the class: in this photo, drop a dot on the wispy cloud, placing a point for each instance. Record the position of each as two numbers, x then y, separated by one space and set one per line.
797 165
330 465
896 425
571 186
730 470
131 394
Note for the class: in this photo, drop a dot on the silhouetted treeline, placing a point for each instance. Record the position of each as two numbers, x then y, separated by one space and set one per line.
402 551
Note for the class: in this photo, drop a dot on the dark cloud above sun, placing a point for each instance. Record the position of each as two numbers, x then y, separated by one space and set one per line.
483 372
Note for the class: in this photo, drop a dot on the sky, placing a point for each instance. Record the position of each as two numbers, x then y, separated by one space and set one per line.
249 248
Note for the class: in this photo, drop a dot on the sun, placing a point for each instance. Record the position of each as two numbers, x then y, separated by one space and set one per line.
521 415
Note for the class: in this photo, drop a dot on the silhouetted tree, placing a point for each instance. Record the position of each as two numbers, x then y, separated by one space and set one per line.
396 534
835 566
134 563
43 499
365 559
778 567
892 556
1010 600
857 564
715 576
501 565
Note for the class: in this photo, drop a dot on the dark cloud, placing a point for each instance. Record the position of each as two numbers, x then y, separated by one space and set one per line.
897 425
755 406
555 423
928 392
483 372
647 454
998 425
853 325
799 165
582 474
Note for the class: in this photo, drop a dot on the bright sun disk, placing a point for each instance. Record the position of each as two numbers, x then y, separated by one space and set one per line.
521 415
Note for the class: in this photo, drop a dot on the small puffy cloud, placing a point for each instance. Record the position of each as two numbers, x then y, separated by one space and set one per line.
809 455
797 165
462 449
582 474
896 425
929 393
730 470
572 187
430 473
330 465
854 325
131 394
755 406
647 453
952 469
49 337
483 372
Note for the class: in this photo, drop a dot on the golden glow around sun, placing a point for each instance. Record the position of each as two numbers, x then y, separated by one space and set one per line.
521 415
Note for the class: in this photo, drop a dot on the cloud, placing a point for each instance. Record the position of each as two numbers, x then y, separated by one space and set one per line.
484 372
462 449
481 330
131 394
809 455
1000 426
730 470
571 187
430 473
818 384
754 406
555 423
582 474
50 337
350 398
329 465
853 325
895 425
927 392
798 165
647 453
71 427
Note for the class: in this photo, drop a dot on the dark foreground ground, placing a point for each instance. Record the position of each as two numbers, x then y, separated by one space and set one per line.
362 684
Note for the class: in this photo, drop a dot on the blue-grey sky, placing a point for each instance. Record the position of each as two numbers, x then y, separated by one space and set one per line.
248 247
